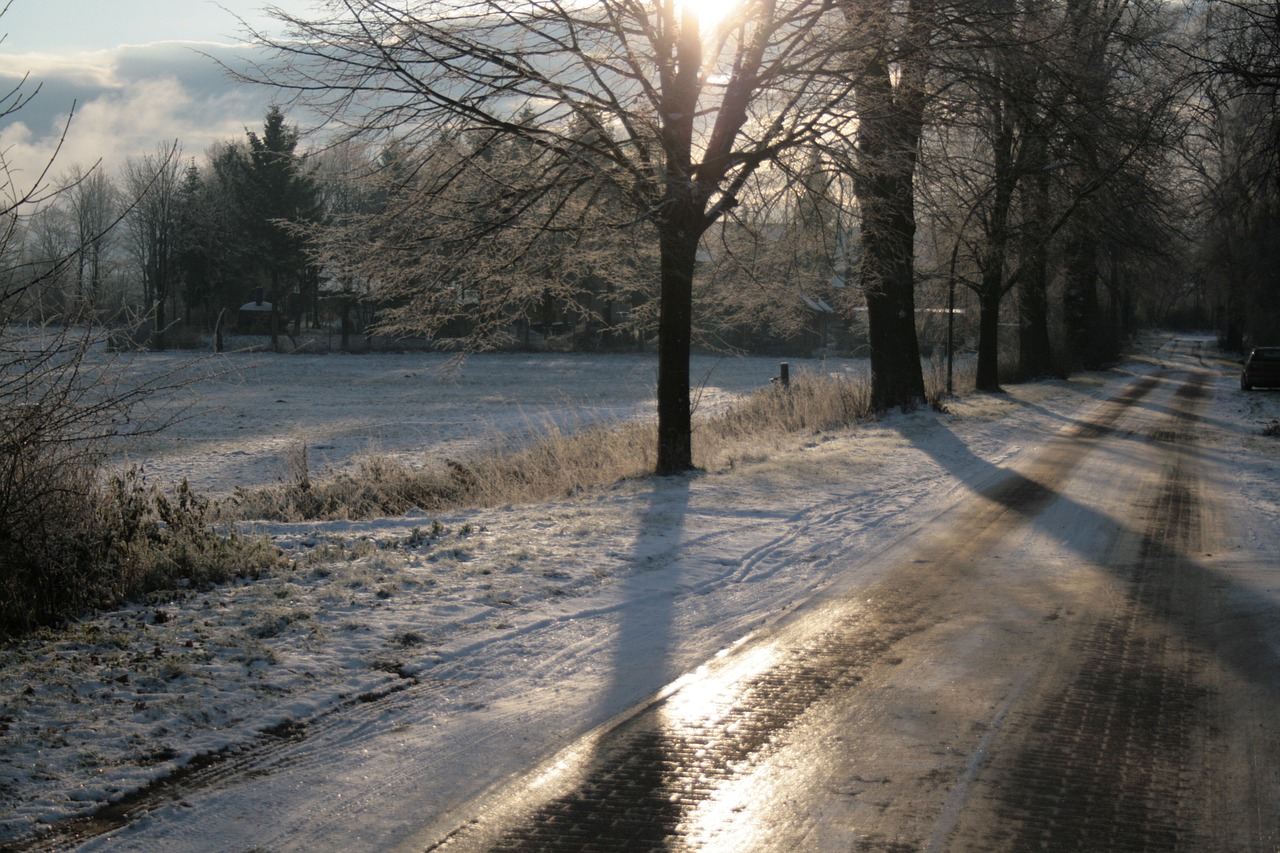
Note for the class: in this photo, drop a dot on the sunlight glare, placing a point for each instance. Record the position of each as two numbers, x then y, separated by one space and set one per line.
703 697
712 12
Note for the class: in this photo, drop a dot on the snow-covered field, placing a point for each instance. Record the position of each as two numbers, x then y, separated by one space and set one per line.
406 664
239 428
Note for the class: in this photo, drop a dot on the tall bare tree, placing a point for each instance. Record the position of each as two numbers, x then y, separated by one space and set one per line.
1237 55
891 54
673 114
990 158
93 204
153 224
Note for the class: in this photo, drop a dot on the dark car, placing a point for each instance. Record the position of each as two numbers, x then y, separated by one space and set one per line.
1261 369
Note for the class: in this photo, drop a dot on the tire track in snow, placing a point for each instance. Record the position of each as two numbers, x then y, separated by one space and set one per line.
814 532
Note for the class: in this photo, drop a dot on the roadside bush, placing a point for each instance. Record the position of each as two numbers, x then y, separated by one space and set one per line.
72 544
47 507
157 541
72 540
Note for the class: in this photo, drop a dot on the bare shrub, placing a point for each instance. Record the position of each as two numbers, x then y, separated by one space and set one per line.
80 544
69 541
157 541
47 507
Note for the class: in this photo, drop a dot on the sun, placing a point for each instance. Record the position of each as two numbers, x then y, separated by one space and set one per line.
711 13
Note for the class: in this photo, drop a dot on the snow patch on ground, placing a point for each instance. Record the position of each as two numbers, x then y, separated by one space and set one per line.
491 634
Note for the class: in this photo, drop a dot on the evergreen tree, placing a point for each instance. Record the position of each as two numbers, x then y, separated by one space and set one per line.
279 195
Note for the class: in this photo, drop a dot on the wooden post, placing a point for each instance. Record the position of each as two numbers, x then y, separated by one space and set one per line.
784 374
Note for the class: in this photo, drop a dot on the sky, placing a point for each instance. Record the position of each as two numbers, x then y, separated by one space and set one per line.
139 73
62 27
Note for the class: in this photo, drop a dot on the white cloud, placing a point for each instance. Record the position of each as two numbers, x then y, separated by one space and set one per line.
127 102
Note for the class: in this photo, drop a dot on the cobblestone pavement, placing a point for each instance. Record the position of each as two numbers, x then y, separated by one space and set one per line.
1007 686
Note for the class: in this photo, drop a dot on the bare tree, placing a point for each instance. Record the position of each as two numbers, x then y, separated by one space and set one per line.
348 194
93 205
1237 56
891 54
1057 119
990 156
47 242
153 226
668 114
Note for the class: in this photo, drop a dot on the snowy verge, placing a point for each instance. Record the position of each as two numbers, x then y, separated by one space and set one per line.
469 643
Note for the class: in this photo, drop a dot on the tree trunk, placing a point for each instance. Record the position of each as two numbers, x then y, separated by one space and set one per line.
896 377
1035 350
1228 313
274 316
991 291
887 275
680 227
1080 300
161 322
988 378
890 102
679 252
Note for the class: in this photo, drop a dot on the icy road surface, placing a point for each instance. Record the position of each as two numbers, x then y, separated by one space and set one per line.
1114 534
1057 662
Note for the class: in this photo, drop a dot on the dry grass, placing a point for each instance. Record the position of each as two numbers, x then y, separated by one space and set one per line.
84 544
122 539
557 462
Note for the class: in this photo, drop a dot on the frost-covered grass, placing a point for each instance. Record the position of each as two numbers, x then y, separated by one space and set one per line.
552 462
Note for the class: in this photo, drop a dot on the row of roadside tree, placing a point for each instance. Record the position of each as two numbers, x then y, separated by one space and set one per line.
821 175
